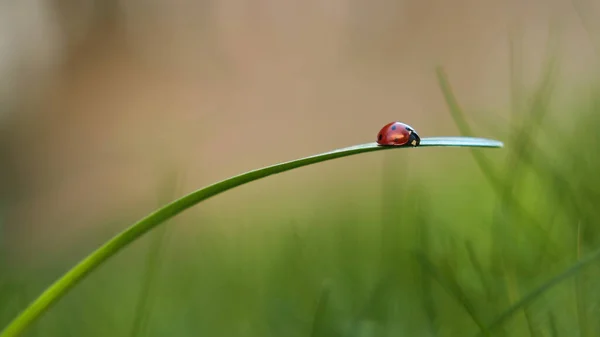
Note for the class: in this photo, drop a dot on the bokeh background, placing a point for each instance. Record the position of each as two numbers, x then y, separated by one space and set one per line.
109 109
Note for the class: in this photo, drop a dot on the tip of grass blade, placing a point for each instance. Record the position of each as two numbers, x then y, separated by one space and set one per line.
439 141
461 142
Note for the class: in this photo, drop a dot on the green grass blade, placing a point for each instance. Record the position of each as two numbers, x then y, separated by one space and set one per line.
428 297
58 289
553 325
485 165
321 326
463 127
453 288
153 266
543 288
460 141
529 320
579 292
486 283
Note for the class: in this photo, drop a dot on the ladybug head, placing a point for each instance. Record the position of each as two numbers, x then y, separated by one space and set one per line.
414 138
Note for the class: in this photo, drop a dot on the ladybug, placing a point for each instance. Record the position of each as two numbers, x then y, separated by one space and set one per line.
398 134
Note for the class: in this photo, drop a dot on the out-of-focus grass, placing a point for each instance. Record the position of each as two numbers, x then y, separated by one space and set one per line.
428 257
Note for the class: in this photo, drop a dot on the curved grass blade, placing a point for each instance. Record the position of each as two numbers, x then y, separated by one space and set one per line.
58 289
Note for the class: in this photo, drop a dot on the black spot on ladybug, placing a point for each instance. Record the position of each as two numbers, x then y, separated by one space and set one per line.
393 127
380 136
396 139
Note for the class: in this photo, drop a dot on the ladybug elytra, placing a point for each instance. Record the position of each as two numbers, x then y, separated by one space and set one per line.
398 134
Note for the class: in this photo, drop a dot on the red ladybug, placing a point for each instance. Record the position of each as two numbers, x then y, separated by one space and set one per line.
398 134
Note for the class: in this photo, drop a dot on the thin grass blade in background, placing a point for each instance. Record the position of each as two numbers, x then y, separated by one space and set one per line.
503 227
572 271
579 292
321 325
552 325
153 264
427 295
484 165
453 289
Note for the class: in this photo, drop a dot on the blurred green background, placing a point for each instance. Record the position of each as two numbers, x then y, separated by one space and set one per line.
110 109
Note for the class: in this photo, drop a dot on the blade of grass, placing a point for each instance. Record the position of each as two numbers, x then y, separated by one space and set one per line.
513 293
505 188
454 289
478 269
137 230
428 299
530 326
579 295
580 201
378 299
482 162
540 162
553 326
538 108
144 305
526 133
514 166
153 264
571 271
321 326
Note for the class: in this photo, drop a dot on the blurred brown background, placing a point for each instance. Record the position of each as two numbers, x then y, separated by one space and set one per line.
98 99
